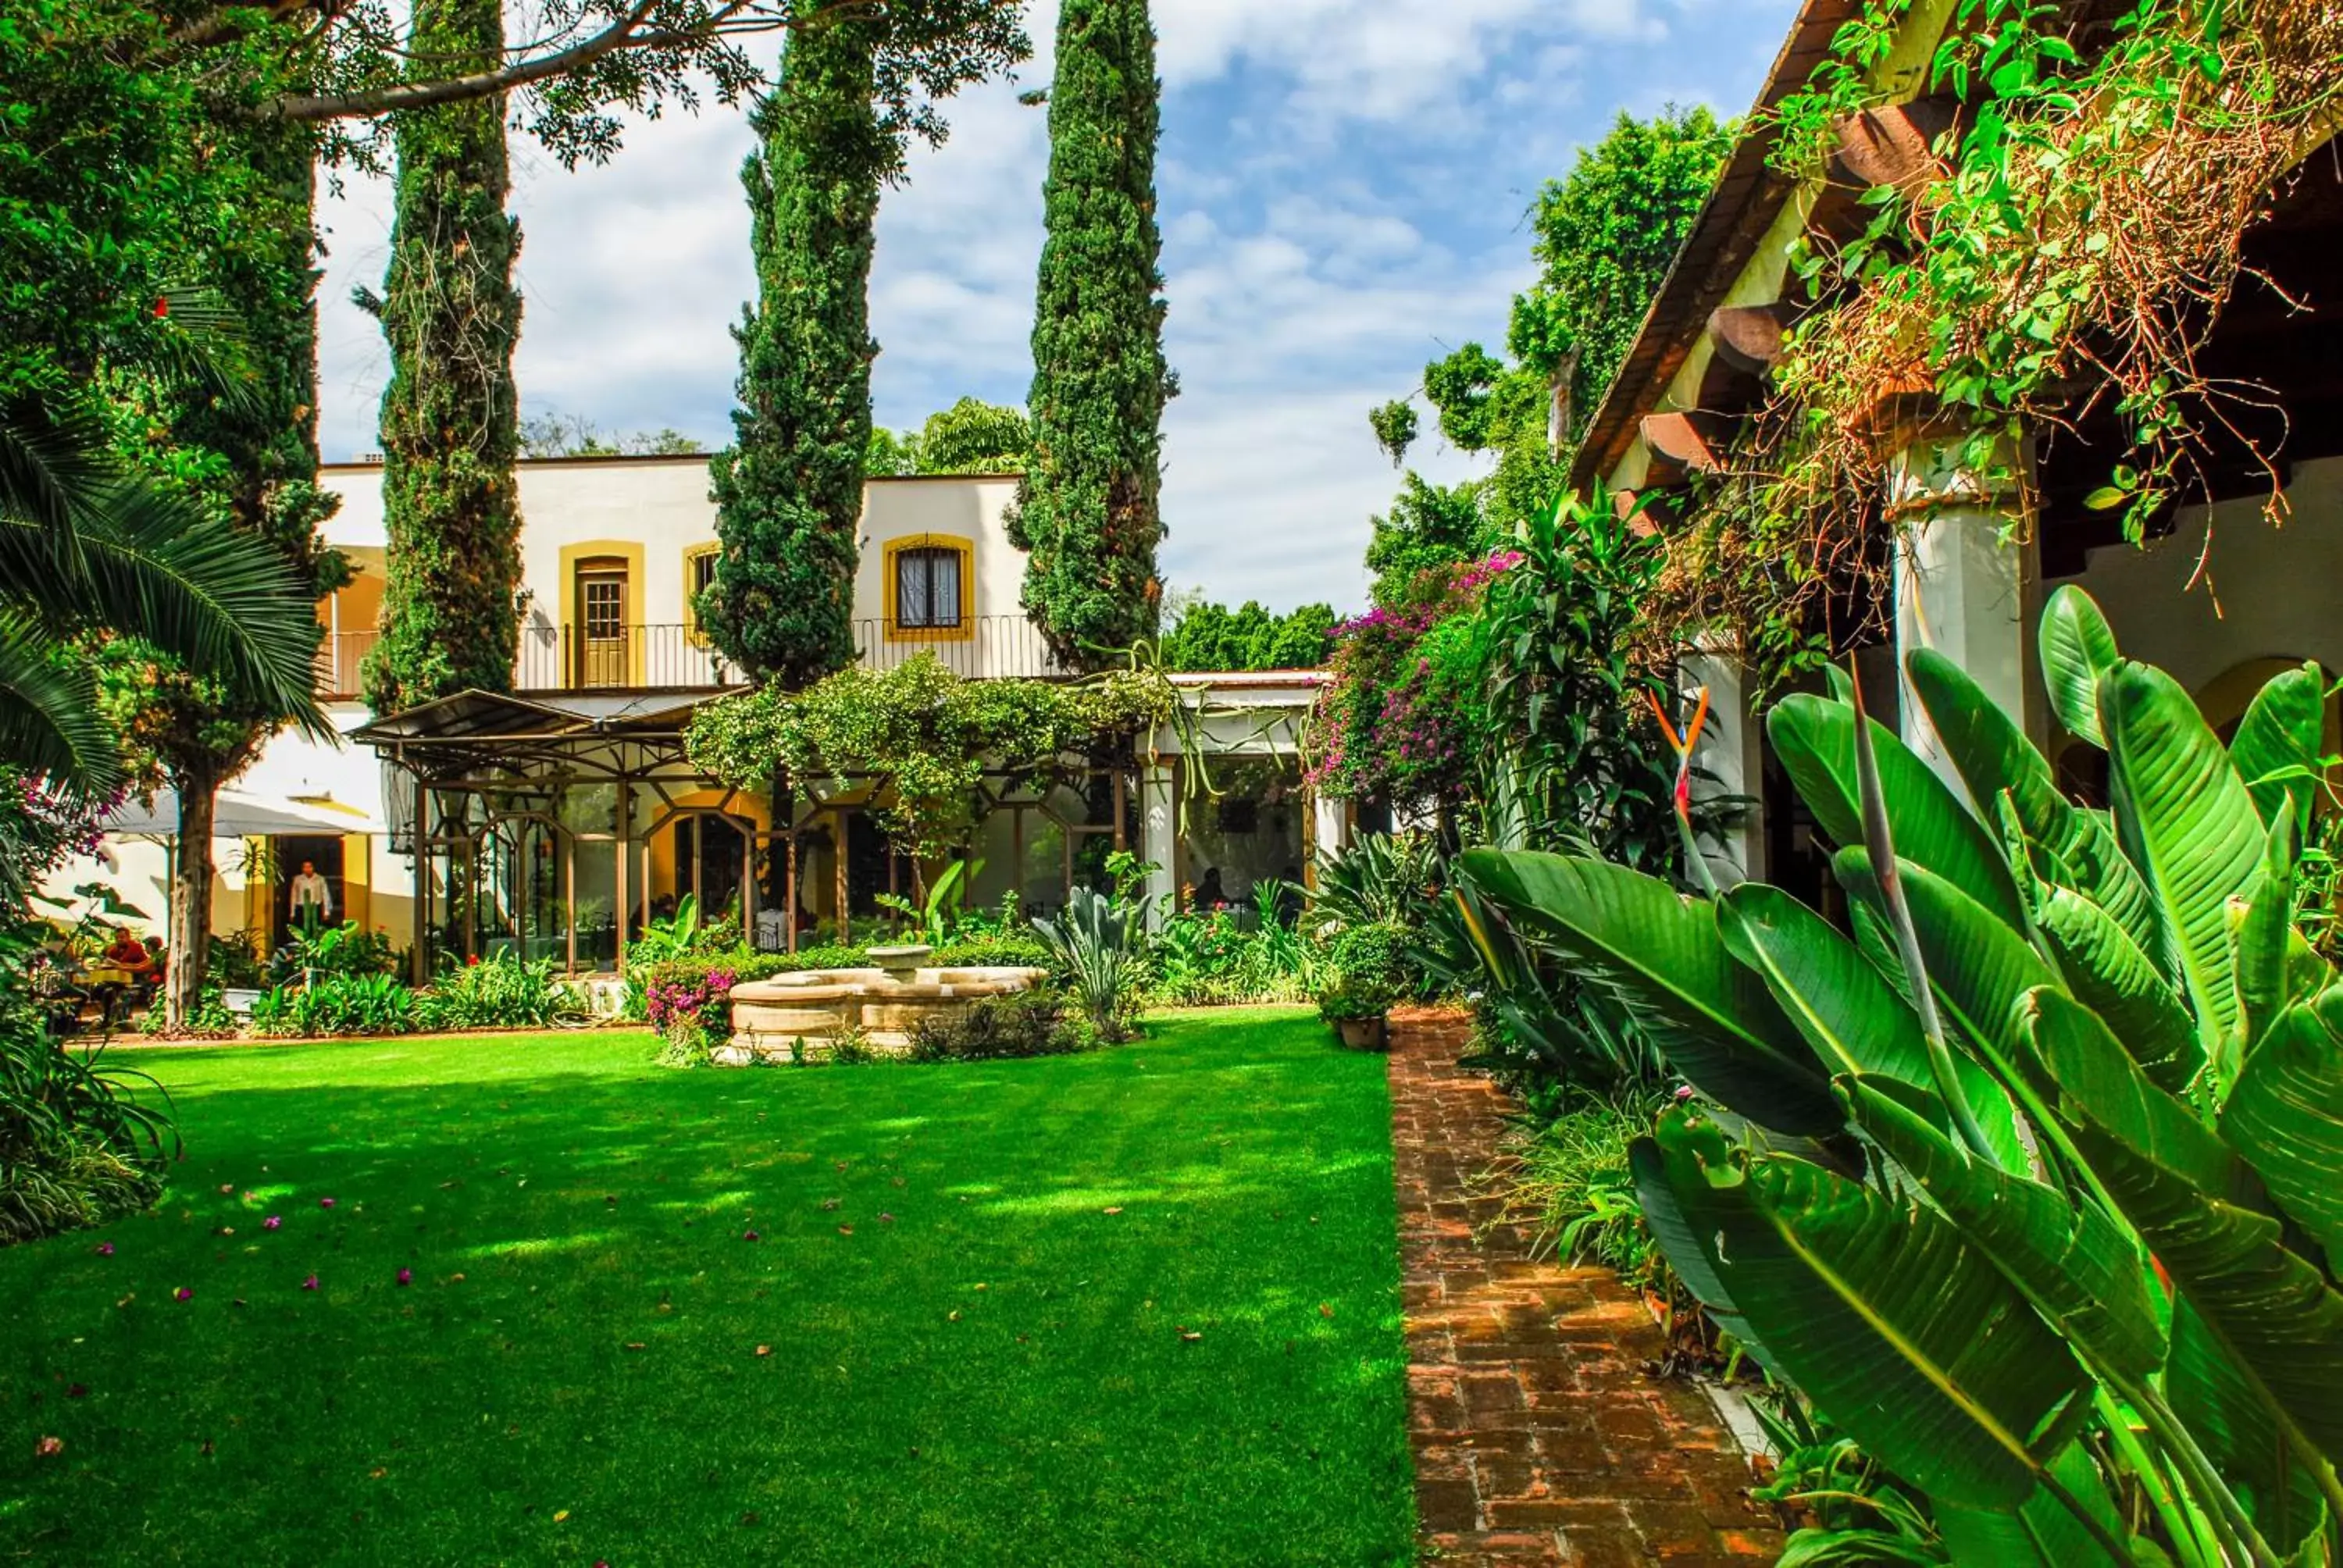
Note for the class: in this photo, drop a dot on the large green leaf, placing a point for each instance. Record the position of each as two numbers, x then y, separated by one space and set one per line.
2199 1210
2280 743
1880 1313
1659 956
2109 974
2075 1263
1849 1012
1686 1253
2190 825
2264 932
1997 762
2229 1422
2041 1530
1815 738
2078 650
1980 967
2285 1116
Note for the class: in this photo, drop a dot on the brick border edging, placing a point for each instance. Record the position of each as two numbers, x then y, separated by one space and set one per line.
1539 1437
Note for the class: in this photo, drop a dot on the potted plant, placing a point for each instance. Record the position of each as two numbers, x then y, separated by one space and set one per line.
1368 972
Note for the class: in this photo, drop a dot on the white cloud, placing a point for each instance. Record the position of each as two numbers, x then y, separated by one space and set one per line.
1341 182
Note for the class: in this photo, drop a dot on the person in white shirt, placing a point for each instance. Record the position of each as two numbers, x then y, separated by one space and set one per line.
312 892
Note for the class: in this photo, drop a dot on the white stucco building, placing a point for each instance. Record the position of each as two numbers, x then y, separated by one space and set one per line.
557 817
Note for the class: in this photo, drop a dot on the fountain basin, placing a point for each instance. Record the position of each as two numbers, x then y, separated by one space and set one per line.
800 1017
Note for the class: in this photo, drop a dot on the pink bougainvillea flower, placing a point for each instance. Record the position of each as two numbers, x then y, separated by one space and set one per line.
310 1283
407 1276
271 1222
747 1235
324 1203
183 1294
105 1249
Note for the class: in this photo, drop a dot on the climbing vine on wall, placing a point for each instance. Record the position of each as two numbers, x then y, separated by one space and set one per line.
2071 255
926 737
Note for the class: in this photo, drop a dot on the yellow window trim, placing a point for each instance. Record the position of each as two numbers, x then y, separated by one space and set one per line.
966 549
692 556
572 557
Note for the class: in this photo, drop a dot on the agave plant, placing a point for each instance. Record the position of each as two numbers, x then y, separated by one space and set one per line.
2032 1184
1099 942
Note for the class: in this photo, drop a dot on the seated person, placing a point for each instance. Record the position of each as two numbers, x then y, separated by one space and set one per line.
126 952
156 963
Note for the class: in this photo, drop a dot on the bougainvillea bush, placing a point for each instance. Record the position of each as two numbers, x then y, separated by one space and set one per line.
692 1014
1399 718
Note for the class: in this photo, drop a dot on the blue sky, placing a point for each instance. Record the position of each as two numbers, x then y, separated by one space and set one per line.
1342 184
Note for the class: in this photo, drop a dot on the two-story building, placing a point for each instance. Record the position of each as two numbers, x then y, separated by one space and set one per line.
555 819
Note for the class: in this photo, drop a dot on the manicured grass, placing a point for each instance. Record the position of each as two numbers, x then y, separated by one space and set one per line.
974 1359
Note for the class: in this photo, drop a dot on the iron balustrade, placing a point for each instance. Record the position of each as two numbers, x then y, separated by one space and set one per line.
674 657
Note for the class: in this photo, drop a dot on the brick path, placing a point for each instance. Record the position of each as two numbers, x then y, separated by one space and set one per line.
1539 1437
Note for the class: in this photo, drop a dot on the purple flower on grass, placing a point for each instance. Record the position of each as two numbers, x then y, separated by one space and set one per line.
271 1222
310 1283
183 1294
747 1235
105 1249
405 1276
324 1203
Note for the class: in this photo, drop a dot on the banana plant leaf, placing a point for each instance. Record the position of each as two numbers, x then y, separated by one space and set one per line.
1816 740
2202 1214
2264 929
2233 1426
1665 1219
1981 968
2189 824
1849 1012
2041 1530
2079 651
2109 974
1659 957
2279 744
1880 1313
2285 1117
2079 1267
1997 762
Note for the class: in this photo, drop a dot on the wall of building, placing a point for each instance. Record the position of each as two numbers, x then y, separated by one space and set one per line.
655 513
2267 596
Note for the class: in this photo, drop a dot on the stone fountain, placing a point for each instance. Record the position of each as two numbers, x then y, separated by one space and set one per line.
800 1017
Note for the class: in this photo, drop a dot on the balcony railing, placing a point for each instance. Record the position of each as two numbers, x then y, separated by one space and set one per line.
676 657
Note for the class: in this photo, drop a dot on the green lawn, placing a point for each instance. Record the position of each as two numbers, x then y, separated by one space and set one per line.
973 1357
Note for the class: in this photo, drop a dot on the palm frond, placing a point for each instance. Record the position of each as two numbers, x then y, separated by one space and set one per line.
48 710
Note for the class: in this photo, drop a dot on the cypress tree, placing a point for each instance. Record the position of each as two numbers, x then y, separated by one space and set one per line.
450 415
789 491
1087 511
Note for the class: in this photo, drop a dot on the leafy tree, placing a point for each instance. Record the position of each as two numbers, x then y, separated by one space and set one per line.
1429 527
1087 511
557 435
891 455
451 415
1605 238
1208 636
789 492
973 437
1395 425
248 453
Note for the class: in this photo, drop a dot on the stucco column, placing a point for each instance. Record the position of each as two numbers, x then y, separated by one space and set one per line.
1731 752
1330 824
1159 815
1967 583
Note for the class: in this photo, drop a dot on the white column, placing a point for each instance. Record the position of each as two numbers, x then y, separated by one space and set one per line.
1730 750
1159 809
1330 823
1964 587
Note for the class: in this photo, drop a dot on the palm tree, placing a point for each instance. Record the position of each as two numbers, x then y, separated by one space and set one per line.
88 546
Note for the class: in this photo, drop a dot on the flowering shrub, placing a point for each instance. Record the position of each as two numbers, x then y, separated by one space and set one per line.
1400 716
693 1015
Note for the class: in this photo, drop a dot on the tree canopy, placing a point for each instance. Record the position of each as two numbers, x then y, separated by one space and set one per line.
1088 514
971 436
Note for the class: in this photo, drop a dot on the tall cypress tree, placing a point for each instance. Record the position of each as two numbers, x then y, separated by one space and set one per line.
789 491
451 424
1088 509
